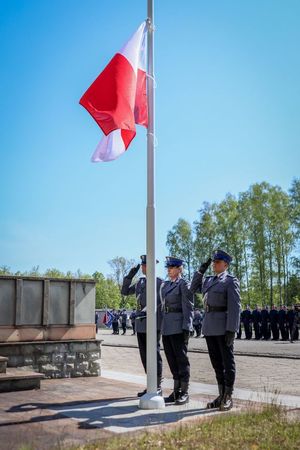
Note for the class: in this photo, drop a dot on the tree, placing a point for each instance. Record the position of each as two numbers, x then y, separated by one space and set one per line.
107 292
180 243
5 270
120 267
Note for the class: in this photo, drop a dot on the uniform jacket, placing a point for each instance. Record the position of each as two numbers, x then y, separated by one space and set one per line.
197 318
246 316
139 290
282 317
265 316
219 291
256 316
273 316
176 295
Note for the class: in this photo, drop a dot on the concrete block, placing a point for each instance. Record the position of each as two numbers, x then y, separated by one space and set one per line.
15 361
71 357
93 346
78 347
28 361
58 358
92 356
44 359
82 366
80 356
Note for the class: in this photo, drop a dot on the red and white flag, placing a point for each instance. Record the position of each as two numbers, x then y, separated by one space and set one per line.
117 99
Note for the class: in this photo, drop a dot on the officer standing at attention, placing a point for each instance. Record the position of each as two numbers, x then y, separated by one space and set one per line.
139 289
256 317
221 322
274 323
247 319
177 324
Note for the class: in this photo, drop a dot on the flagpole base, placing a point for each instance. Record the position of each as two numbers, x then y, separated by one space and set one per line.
151 401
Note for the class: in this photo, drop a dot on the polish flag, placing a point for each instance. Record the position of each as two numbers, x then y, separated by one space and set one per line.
117 99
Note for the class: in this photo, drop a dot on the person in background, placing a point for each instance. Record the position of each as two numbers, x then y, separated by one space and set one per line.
274 323
197 322
265 323
132 318
282 322
247 319
256 318
115 321
124 321
96 321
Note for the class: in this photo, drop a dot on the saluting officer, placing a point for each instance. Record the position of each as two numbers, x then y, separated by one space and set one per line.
220 323
177 324
139 289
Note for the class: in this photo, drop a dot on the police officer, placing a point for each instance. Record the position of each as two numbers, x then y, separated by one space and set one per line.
265 323
247 319
115 321
177 303
282 322
220 323
274 323
132 319
197 322
256 318
139 289
124 321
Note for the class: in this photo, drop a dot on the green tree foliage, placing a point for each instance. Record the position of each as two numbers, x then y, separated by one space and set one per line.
260 229
180 243
5 270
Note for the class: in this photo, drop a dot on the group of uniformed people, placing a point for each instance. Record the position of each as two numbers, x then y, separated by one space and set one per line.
175 315
268 324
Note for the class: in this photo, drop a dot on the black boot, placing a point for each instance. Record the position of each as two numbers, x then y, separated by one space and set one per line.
183 397
227 403
175 394
216 403
140 394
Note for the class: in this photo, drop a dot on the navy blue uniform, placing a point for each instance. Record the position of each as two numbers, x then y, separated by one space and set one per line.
265 324
177 317
274 324
247 318
139 289
256 318
222 313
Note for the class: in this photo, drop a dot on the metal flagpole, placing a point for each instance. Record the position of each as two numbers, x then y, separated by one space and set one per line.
151 400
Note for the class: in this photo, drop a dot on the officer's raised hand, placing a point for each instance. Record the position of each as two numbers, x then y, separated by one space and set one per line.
229 338
132 272
204 266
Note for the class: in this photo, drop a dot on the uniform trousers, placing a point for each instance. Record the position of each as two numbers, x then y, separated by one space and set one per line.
176 354
257 330
222 359
142 343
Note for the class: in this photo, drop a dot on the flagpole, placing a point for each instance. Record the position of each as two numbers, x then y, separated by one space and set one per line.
151 400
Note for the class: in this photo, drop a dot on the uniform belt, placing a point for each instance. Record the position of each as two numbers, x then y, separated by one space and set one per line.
169 309
210 308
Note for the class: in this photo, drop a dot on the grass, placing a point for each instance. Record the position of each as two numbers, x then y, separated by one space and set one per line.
269 428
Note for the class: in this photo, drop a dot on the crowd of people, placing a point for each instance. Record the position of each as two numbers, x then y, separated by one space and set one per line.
261 323
265 323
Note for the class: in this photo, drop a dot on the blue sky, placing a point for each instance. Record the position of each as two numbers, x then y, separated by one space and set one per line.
227 116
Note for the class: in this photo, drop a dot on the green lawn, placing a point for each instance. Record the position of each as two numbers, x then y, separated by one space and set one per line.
272 428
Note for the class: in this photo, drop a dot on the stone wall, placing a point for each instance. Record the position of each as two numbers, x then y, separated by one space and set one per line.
60 359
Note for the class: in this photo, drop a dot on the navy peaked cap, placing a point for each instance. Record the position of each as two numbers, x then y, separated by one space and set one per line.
144 259
221 255
173 262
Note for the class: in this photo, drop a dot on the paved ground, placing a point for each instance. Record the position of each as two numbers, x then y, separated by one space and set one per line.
278 349
76 411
